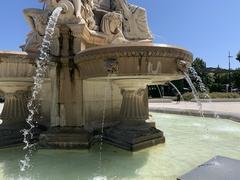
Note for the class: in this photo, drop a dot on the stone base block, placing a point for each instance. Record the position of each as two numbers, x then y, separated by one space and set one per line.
133 138
65 138
11 135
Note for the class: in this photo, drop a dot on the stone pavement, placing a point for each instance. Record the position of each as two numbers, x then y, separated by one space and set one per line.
229 110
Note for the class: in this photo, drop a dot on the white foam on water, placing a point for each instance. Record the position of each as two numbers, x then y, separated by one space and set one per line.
100 178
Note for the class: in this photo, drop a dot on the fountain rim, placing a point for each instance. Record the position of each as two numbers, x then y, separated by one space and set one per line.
14 53
16 56
132 45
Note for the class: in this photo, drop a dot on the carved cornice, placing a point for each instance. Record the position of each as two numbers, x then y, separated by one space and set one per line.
134 51
14 56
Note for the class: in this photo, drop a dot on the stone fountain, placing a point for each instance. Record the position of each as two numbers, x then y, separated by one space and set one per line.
102 59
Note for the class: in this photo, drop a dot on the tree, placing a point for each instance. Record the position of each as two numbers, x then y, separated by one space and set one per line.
238 56
200 66
236 78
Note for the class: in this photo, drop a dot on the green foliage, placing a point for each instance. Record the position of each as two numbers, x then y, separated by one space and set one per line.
238 56
236 78
216 95
200 66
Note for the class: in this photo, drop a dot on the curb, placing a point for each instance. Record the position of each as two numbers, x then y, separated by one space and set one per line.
189 112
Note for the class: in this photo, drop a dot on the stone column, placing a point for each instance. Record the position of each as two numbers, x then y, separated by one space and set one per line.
77 31
65 32
133 133
15 107
133 109
54 76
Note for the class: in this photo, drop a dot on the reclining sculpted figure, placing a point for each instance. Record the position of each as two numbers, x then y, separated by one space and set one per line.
135 26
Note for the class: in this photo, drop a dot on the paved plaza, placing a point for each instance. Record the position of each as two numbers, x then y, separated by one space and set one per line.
229 108
223 109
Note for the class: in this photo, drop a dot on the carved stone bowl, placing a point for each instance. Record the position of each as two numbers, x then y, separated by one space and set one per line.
148 62
16 71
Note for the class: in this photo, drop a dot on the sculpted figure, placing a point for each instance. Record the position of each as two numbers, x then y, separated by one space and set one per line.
88 14
78 8
111 25
37 20
135 25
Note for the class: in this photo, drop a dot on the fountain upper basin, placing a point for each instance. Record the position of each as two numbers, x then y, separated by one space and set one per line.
151 62
16 71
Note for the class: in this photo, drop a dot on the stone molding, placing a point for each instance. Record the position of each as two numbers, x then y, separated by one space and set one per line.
135 51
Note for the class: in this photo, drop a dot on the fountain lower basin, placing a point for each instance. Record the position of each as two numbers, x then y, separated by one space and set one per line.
127 69
190 142
74 92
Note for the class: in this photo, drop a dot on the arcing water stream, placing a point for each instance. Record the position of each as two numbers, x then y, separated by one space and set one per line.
201 87
42 66
195 93
200 83
177 90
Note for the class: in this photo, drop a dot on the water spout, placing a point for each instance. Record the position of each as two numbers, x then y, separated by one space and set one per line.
42 66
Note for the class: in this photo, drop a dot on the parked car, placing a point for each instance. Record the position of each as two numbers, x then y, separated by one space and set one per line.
235 90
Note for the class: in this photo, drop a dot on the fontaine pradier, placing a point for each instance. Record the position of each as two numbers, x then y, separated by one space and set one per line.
98 47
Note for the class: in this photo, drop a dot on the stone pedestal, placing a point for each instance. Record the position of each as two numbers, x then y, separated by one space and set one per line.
13 114
133 109
15 108
133 133
65 138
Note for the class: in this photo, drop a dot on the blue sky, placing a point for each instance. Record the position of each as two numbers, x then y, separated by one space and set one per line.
208 28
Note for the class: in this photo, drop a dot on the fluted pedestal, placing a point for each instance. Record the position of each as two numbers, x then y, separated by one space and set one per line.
15 108
133 133
14 113
133 109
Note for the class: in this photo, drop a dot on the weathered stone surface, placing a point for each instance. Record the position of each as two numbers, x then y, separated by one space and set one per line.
11 135
134 61
133 138
65 138
135 26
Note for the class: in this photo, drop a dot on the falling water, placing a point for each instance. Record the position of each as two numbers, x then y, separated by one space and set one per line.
202 87
195 93
176 90
160 93
42 66
200 84
102 133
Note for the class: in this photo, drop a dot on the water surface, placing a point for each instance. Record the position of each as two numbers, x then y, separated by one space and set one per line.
190 141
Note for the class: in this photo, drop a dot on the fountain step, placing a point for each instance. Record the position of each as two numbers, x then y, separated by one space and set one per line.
65 138
11 137
133 139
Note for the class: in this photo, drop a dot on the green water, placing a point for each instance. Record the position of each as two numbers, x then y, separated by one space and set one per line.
190 141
